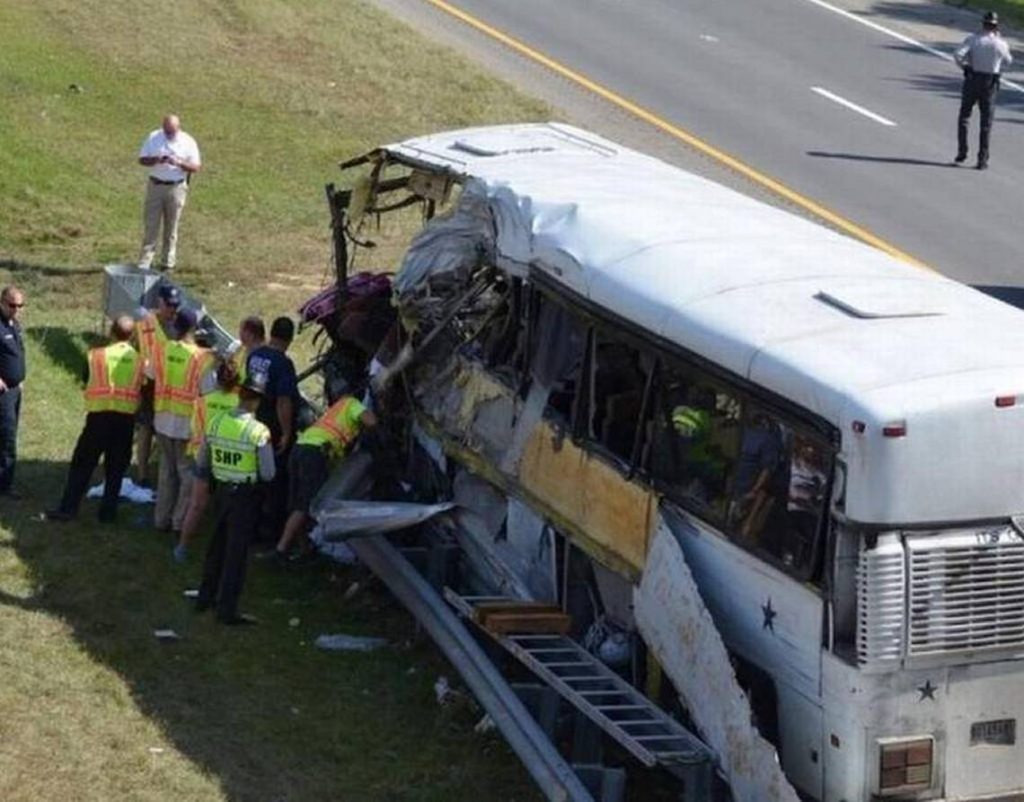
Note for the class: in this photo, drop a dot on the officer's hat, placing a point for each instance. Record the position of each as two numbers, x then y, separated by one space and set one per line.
169 294
990 20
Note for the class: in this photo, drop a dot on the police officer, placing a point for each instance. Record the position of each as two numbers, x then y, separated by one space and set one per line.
982 57
237 453
112 392
223 398
12 374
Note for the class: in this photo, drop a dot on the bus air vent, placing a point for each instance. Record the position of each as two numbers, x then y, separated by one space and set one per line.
880 602
966 593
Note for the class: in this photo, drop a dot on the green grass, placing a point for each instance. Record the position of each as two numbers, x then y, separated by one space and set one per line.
92 707
1011 11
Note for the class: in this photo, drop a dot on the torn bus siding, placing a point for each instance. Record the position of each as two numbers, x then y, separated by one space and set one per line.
614 513
679 630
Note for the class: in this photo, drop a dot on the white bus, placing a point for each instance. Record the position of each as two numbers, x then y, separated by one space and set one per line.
676 386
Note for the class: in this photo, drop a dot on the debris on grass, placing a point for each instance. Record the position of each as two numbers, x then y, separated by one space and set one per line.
166 635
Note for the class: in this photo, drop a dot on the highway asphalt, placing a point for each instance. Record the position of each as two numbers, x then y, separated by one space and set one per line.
844 113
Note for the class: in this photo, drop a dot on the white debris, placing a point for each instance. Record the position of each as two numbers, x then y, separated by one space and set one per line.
348 643
485 725
166 635
442 690
293 622
129 491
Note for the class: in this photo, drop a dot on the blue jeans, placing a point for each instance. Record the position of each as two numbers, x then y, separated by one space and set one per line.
10 410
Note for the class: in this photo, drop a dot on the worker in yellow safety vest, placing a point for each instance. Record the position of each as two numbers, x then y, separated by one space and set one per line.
112 391
177 369
223 399
326 441
236 453
151 328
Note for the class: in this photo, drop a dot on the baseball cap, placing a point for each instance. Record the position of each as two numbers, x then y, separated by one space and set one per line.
990 18
169 294
185 321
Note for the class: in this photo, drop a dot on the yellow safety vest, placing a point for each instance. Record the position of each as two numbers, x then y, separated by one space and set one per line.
151 335
115 379
178 367
336 428
234 442
206 407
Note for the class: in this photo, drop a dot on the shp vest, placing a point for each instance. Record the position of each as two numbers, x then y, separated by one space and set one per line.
234 442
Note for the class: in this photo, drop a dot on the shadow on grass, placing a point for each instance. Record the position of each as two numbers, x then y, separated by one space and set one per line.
62 346
17 266
259 710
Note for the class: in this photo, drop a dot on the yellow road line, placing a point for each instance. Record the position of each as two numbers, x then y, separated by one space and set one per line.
685 136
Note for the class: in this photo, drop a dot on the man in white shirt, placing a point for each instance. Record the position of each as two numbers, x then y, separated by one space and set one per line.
982 57
172 156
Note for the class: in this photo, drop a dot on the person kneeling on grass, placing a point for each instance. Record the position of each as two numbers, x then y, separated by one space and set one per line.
329 439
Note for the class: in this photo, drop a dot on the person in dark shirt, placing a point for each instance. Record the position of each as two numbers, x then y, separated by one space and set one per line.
12 375
273 368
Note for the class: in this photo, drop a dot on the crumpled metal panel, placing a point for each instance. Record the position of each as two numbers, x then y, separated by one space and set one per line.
678 629
345 518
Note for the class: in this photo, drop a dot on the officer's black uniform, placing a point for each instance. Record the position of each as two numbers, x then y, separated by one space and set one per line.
979 88
12 371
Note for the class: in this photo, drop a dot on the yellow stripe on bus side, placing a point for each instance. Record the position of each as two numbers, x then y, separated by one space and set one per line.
685 136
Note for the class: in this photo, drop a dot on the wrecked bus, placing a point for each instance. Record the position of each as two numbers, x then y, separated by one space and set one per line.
742 450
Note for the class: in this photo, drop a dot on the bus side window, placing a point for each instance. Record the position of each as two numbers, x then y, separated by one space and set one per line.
617 384
694 449
558 342
779 492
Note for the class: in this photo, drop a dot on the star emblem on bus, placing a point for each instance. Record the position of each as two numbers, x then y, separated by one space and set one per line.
927 691
769 616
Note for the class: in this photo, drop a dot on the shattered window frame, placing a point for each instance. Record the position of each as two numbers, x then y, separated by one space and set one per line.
662 357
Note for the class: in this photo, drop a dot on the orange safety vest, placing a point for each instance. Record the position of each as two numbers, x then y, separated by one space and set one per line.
115 379
151 335
336 428
208 407
178 367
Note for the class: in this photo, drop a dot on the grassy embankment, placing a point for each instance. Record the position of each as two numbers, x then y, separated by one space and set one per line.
1012 11
91 705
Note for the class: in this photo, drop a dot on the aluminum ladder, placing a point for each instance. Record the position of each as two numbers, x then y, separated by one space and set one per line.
627 716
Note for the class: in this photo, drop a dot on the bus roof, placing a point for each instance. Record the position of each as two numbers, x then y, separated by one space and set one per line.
808 313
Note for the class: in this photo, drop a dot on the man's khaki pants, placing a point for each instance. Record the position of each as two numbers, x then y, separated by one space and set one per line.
163 205
174 483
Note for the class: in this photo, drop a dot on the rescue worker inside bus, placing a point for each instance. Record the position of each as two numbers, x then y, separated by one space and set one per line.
688 455
756 487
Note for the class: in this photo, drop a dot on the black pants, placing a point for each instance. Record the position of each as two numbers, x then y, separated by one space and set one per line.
237 516
10 411
979 88
275 504
107 435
